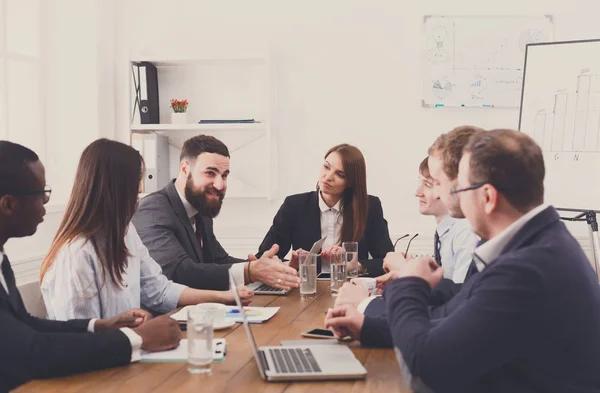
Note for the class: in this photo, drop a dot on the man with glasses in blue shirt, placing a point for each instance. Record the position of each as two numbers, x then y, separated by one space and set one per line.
457 245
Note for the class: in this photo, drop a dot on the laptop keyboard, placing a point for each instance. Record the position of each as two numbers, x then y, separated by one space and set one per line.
294 360
266 288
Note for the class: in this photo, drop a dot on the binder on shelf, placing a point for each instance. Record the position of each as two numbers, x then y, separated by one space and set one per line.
145 79
155 150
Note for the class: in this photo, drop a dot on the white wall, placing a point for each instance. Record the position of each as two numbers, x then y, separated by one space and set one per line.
77 97
348 71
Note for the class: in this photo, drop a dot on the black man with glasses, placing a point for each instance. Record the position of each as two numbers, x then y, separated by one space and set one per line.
31 347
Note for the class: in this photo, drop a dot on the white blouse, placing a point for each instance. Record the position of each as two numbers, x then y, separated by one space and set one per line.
331 226
75 286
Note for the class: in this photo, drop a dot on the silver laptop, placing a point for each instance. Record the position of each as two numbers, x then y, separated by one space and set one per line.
260 288
295 363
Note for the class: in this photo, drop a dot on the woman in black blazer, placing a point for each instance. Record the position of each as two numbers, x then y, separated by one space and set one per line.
340 208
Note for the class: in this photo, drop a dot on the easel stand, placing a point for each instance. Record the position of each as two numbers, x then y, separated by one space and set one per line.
588 216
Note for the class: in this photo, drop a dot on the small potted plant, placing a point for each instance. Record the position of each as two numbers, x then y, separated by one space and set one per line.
179 115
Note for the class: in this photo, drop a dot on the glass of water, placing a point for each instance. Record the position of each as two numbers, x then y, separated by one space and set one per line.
338 271
308 274
200 338
351 249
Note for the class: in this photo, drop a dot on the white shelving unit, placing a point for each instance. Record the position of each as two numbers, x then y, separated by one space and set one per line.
145 128
220 84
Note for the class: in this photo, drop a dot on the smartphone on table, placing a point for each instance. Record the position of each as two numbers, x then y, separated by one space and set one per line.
318 333
323 333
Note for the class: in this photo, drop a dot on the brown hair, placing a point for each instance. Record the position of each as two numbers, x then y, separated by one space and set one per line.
102 204
450 146
511 162
199 144
355 200
424 167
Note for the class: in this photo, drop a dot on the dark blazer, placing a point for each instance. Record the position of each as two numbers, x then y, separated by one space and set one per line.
165 229
529 322
32 348
297 224
375 331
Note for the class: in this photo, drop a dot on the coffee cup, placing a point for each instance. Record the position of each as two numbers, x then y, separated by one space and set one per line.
368 283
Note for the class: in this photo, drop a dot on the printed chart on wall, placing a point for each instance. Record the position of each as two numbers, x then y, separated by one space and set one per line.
560 109
477 61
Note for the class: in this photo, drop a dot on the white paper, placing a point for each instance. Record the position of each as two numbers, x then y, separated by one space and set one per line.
180 354
254 314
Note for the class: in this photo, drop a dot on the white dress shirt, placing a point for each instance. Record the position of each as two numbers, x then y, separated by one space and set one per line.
331 226
2 280
237 269
77 286
457 244
490 250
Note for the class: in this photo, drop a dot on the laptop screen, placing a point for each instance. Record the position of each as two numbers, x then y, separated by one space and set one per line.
234 288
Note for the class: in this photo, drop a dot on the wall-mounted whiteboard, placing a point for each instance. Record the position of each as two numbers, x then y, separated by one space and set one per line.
477 61
560 109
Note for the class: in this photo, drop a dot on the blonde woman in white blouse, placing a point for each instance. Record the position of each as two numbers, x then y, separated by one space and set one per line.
97 266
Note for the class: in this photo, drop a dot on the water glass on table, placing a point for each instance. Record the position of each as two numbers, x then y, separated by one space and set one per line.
307 263
200 338
351 249
337 262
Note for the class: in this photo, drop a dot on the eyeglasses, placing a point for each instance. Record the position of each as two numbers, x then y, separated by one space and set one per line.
454 191
47 191
408 246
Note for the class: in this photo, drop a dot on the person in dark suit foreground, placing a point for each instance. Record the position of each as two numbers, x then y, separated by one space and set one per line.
32 348
340 209
529 321
176 225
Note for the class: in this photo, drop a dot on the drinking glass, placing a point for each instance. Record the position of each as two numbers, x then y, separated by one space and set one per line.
200 338
351 249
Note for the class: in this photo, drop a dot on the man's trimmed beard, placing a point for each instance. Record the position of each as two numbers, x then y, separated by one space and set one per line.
198 199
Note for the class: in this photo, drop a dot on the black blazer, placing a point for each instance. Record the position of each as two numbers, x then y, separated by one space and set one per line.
297 224
375 331
528 322
166 231
32 348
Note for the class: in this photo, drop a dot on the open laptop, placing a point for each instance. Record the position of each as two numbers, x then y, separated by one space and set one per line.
296 363
260 288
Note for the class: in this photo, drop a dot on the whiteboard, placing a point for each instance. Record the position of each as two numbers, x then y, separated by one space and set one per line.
477 61
560 109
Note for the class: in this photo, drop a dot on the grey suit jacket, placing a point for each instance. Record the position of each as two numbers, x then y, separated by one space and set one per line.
165 229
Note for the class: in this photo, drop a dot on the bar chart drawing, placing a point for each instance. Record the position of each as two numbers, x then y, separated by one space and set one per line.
573 125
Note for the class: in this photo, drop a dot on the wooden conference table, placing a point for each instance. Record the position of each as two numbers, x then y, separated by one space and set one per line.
238 373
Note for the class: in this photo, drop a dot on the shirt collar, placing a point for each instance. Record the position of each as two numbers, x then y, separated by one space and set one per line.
323 206
189 209
1 256
445 225
492 248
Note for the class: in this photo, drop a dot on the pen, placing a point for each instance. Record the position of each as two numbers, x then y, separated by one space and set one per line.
438 105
